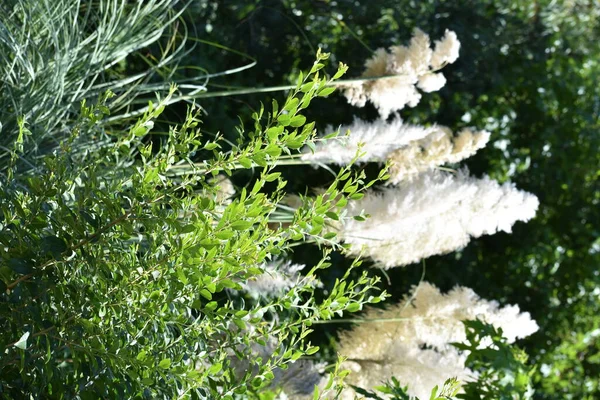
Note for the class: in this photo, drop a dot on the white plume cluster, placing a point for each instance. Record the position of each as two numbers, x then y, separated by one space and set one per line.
379 139
412 149
437 148
225 190
277 278
428 213
414 345
420 369
404 68
436 213
297 381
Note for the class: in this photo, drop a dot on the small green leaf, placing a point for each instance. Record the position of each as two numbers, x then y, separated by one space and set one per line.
228 283
256 382
316 67
271 177
306 87
292 105
140 130
297 121
383 389
284 119
329 235
245 162
326 91
299 79
188 228
273 150
294 144
209 243
341 71
241 225
211 146
331 136
332 215
215 368
165 363
312 350
224 235
206 294
274 132
239 323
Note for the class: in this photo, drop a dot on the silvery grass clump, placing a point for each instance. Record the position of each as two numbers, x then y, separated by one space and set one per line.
113 280
56 53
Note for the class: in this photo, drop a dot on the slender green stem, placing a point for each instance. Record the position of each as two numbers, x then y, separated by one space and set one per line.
178 170
252 90
365 320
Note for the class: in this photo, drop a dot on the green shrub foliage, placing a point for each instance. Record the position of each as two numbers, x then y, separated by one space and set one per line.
120 267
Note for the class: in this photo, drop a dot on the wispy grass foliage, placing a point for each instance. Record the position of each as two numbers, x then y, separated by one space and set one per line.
56 53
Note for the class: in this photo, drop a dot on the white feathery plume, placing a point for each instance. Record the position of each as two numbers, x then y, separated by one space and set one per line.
431 82
427 318
297 381
436 213
437 148
277 279
446 50
379 139
401 69
418 54
225 190
419 369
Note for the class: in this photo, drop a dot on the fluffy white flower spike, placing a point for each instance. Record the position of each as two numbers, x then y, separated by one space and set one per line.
436 213
225 191
411 148
437 148
420 369
379 139
446 50
403 69
277 279
431 82
378 350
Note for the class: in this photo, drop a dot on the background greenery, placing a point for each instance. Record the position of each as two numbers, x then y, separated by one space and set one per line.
528 72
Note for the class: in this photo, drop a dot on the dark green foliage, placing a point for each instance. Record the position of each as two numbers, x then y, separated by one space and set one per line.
503 373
